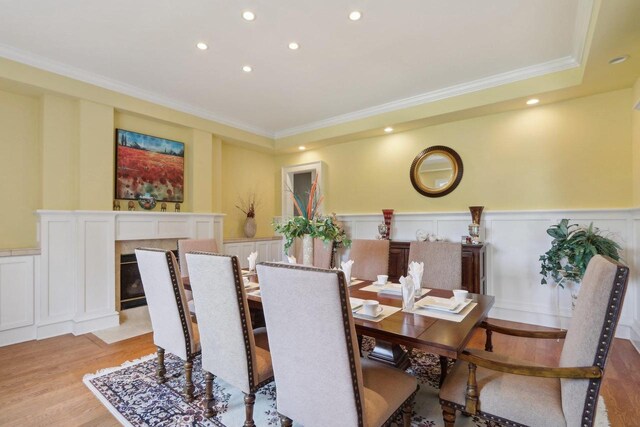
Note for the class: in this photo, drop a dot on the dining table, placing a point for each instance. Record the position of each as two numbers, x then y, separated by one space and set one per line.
402 330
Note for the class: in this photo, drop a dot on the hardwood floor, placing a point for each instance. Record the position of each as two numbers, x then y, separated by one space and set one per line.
41 381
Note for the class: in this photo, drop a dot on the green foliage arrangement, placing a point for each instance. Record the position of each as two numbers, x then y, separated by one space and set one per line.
308 221
572 248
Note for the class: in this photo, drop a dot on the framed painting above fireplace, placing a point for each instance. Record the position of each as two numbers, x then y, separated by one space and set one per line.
148 166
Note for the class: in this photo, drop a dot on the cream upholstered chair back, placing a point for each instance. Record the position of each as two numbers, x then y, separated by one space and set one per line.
589 337
313 345
442 263
370 258
168 309
322 253
193 245
226 334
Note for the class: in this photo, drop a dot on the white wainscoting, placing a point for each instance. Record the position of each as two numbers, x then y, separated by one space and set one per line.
515 241
70 286
268 248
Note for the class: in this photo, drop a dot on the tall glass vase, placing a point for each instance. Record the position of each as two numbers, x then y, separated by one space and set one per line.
307 250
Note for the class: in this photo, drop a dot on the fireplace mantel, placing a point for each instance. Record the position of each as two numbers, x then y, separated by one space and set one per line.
76 290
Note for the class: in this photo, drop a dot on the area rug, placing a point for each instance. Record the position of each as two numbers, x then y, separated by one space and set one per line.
132 395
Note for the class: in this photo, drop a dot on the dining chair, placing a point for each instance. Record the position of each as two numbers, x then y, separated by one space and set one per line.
322 253
169 312
231 349
371 258
320 378
442 263
189 245
512 392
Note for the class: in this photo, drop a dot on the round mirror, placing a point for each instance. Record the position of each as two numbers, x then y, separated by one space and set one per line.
436 171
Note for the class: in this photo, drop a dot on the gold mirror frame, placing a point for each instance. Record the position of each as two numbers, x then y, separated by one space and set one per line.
414 172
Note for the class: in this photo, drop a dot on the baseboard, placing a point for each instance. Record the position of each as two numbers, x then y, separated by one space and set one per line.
54 329
635 335
17 335
90 324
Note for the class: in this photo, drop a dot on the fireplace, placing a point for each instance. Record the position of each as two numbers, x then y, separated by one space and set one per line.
131 289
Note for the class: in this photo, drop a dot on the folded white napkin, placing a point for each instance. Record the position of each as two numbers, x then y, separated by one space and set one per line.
346 269
292 259
416 269
252 260
408 292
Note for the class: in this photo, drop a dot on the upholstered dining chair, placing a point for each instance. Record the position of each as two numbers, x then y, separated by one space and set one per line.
322 253
512 392
371 257
442 263
169 312
190 245
231 349
320 378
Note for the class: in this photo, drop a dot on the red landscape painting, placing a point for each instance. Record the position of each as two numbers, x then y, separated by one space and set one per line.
146 166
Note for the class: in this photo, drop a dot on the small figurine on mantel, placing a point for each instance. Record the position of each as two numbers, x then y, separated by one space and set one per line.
116 205
131 206
163 207
177 208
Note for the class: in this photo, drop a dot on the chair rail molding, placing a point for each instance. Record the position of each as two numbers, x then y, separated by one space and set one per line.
515 240
70 286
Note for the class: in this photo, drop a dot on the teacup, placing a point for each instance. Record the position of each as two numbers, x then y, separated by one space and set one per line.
382 279
371 307
460 295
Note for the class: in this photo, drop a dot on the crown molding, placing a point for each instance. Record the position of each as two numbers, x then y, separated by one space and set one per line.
537 70
584 12
85 76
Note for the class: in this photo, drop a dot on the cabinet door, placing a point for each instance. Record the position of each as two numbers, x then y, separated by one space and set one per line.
468 276
397 263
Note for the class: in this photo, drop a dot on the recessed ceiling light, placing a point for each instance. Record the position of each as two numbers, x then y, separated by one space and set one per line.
247 69
355 15
388 129
294 46
618 59
202 46
247 15
302 148
533 101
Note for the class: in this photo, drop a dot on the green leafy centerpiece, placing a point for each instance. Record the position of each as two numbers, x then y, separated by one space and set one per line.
308 223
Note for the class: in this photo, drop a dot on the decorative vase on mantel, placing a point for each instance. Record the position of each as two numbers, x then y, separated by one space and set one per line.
250 227
307 250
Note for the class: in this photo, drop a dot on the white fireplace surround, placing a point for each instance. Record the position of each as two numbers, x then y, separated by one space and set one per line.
75 291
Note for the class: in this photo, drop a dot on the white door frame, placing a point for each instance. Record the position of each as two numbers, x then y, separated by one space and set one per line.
316 169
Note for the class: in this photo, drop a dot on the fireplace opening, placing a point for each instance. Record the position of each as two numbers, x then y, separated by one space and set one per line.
131 289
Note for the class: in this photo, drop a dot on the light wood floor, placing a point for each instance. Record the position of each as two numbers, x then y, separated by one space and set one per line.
41 381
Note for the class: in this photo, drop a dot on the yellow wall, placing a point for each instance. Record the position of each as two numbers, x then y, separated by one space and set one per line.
573 154
20 175
246 172
635 135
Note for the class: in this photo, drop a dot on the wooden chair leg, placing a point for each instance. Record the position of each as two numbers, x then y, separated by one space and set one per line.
249 400
285 421
407 412
488 345
449 416
208 395
160 369
188 382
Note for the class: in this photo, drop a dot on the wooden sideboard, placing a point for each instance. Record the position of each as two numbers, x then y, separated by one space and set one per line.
474 278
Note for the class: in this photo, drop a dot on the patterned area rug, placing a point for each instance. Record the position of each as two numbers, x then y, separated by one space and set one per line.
132 395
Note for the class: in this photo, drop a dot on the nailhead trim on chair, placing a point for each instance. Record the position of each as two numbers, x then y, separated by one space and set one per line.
606 337
243 317
346 309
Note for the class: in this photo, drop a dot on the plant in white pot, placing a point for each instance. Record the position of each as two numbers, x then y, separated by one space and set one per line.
572 248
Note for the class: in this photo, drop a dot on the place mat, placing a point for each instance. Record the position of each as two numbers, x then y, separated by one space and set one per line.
439 314
387 311
391 289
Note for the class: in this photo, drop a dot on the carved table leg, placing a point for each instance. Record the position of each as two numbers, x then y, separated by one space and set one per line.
444 366
391 354
160 369
488 345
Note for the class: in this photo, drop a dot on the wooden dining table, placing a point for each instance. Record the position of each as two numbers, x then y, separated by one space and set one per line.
445 338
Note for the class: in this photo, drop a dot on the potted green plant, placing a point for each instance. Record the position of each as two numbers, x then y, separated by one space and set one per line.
572 248
308 223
